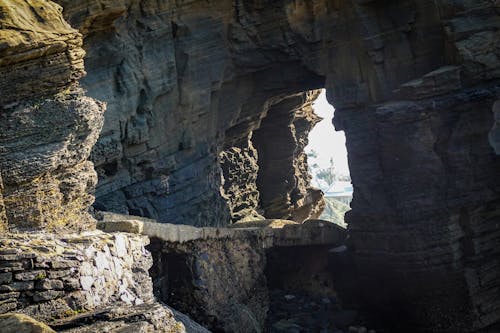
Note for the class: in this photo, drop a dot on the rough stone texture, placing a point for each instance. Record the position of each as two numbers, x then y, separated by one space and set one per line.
220 284
40 54
168 118
267 233
3 216
494 135
216 275
48 276
239 171
47 125
413 83
19 323
283 179
148 318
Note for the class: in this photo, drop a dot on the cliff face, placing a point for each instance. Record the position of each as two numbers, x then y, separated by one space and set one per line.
175 106
195 85
413 83
47 125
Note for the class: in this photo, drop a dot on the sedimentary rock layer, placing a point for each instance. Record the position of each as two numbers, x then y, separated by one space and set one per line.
3 217
283 177
47 124
413 83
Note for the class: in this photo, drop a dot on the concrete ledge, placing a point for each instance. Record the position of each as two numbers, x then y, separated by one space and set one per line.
270 233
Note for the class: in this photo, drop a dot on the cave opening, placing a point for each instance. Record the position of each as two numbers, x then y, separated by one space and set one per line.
327 162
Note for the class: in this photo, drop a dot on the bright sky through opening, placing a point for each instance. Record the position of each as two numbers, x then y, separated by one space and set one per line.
325 141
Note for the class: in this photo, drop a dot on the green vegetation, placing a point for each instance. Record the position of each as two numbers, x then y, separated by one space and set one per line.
334 211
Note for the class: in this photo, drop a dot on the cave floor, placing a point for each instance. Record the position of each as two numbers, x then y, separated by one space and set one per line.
294 312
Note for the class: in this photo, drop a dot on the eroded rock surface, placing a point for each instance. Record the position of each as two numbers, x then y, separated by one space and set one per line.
48 276
47 125
413 83
19 323
87 282
3 216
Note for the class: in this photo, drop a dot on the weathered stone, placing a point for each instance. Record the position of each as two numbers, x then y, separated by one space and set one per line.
7 266
47 125
19 323
423 219
8 305
18 286
494 135
5 277
143 318
9 295
62 263
55 290
86 282
220 284
31 275
47 295
3 216
58 274
47 284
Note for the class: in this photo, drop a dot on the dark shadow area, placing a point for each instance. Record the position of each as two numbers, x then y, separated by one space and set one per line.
312 289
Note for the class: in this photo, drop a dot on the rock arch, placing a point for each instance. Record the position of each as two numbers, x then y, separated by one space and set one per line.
413 83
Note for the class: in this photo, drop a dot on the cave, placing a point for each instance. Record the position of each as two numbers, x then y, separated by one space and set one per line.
193 114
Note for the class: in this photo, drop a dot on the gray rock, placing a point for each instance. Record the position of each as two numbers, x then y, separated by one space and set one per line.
5 278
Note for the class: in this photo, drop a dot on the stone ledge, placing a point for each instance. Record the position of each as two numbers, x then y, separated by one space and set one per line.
271 233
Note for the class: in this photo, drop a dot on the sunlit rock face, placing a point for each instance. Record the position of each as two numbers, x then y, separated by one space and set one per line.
47 125
3 216
413 83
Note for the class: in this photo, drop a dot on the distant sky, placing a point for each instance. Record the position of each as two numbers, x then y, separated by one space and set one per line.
327 142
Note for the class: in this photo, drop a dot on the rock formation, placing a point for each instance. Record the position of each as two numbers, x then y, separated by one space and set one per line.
283 177
413 83
3 216
47 125
495 131
198 90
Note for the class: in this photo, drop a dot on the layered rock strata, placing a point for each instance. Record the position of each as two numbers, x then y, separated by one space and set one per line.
47 125
283 177
494 135
3 216
413 83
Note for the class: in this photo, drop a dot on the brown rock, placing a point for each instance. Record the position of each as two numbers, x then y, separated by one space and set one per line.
19 323
47 125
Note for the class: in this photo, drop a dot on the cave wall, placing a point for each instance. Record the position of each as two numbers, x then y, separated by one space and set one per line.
47 124
168 112
413 83
283 177
494 135
3 216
